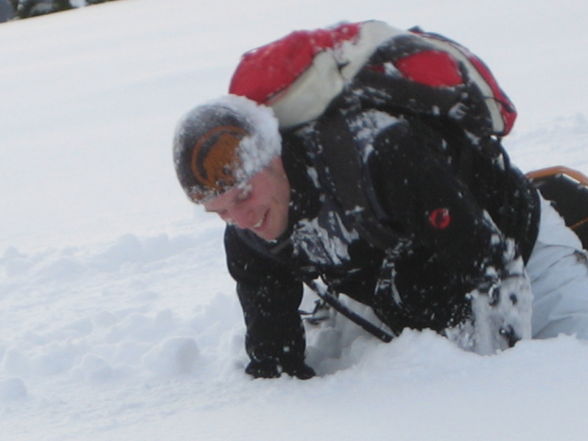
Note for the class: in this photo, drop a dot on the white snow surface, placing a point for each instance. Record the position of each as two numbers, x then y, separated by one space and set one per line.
118 318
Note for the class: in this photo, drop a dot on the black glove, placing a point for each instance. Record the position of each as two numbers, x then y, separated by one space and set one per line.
300 370
263 369
272 369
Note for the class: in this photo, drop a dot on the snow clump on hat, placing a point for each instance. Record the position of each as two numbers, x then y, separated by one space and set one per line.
222 144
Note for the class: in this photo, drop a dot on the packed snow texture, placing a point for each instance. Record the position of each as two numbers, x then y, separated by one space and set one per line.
119 321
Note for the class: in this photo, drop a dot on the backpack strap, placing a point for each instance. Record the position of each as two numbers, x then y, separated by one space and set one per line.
343 174
558 170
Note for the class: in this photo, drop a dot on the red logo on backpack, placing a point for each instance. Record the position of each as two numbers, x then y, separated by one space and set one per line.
440 218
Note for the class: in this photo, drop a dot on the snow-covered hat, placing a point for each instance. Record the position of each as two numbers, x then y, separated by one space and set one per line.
300 74
223 143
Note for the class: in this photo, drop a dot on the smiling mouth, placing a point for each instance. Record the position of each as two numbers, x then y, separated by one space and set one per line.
261 222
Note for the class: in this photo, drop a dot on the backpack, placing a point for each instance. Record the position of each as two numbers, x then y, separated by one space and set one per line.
379 67
300 74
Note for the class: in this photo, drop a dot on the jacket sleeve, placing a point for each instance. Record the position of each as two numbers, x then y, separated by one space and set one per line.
270 296
461 275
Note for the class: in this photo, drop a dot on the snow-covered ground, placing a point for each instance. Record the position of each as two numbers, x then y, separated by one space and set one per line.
117 318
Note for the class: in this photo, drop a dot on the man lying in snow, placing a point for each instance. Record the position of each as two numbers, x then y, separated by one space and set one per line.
382 175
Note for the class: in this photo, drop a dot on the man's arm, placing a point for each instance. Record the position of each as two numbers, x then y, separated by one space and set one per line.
269 296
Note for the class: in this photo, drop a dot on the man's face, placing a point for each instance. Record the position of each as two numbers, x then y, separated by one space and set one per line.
261 205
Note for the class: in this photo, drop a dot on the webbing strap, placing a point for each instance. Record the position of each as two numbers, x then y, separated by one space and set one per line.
558 169
343 173
323 292
568 190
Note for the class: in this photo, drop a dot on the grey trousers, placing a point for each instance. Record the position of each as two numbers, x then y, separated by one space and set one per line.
558 271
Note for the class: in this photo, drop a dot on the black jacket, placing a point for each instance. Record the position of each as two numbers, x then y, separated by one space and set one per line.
451 201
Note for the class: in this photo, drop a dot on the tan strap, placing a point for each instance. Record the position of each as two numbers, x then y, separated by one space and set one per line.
579 224
558 169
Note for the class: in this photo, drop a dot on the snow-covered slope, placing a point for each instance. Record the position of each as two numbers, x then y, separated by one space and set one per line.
117 317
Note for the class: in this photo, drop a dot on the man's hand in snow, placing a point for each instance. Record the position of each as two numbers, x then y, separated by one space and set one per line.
271 369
